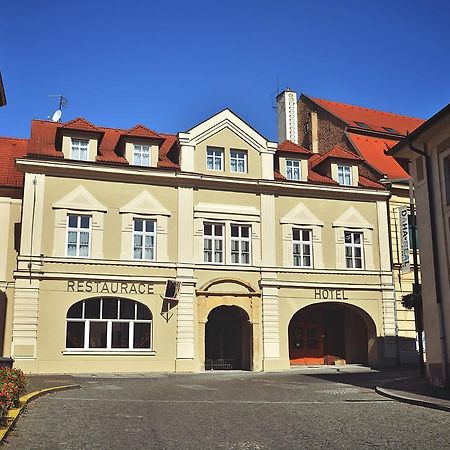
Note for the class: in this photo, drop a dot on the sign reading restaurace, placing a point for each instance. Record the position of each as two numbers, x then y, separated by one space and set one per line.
109 287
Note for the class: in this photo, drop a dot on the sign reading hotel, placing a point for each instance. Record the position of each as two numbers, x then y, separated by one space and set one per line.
109 287
403 216
330 294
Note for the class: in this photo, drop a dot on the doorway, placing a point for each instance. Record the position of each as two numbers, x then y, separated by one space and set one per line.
228 339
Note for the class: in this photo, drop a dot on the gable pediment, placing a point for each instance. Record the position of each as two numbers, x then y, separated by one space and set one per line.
301 215
80 199
225 119
145 203
351 218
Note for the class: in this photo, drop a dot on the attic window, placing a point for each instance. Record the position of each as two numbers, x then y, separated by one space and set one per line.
391 130
363 125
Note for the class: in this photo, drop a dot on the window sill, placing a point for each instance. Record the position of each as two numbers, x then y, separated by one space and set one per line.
110 353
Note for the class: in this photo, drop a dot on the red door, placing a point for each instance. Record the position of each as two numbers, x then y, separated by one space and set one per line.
306 343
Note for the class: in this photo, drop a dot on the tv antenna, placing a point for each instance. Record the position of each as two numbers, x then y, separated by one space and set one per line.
62 102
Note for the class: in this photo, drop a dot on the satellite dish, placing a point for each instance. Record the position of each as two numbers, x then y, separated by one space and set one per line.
56 115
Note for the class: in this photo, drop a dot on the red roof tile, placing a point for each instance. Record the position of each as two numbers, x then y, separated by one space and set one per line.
277 175
372 150
291 147
80 124
10 149
142 132
43 141
336 153
366 182
376 120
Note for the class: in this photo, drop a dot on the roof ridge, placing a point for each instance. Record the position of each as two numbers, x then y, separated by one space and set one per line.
365 108
14 138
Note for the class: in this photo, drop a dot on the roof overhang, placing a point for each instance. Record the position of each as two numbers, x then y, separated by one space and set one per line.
421 135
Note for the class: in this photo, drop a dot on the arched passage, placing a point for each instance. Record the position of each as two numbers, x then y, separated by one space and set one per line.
328 332
228 339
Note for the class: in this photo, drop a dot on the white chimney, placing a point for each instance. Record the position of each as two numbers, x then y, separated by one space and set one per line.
287 116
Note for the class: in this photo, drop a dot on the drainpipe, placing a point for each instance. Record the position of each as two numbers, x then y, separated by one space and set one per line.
437 276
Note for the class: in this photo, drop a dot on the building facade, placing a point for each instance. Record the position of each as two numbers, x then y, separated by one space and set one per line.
321 125
428 147
213 248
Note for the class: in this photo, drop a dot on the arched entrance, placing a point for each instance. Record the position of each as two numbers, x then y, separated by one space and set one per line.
328 332
227 339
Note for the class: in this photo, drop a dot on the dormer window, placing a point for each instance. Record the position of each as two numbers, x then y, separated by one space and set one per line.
344 174
293 169
141 155
362 125
79 149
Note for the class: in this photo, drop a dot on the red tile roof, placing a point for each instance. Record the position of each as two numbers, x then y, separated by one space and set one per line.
142 132
10 149
291 147
80 124
375 119
372 150
335 153
367 182
43 140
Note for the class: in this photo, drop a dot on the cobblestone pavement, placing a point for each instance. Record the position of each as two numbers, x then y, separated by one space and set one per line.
231 410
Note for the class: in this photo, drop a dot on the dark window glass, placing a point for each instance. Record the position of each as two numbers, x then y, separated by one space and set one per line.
218 230
245 232
138 224
120 334
84 221
141 335
126 309
97 335
75 335
207 229
362 125
296 234
143 313
92 309
75 311
391 130
234 231
73 221
110 308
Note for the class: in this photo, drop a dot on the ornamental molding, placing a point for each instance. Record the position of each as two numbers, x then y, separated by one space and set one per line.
79 199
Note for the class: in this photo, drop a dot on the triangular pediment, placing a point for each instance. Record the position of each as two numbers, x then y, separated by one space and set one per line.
80 199
301 215
351 218
226 119
145 203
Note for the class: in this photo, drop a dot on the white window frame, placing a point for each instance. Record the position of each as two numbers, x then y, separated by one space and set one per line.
300 244
352 246
241 240
144 235
78 230
344 174
214 239
293 165
79 149
139 152
109 327
238 156
214 155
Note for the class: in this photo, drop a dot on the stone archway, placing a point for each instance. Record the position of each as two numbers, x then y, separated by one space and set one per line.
327 332
228 339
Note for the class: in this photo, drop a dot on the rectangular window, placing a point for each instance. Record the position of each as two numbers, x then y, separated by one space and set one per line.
293 169
238 161
345 175
79 150
213 242
144 239
240 244
302 247
141 155
353 249
78 235
214 158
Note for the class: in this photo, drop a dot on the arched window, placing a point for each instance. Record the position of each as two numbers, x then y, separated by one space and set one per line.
109 324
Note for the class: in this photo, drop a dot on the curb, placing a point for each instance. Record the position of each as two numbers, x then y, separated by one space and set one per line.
14 413
411 400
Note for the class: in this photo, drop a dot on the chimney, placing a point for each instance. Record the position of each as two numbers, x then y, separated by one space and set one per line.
314 133
287 116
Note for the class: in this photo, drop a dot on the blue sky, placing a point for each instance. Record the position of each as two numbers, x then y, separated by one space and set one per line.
171 64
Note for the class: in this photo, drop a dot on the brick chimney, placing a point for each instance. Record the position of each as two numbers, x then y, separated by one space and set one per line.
287 120
314 147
